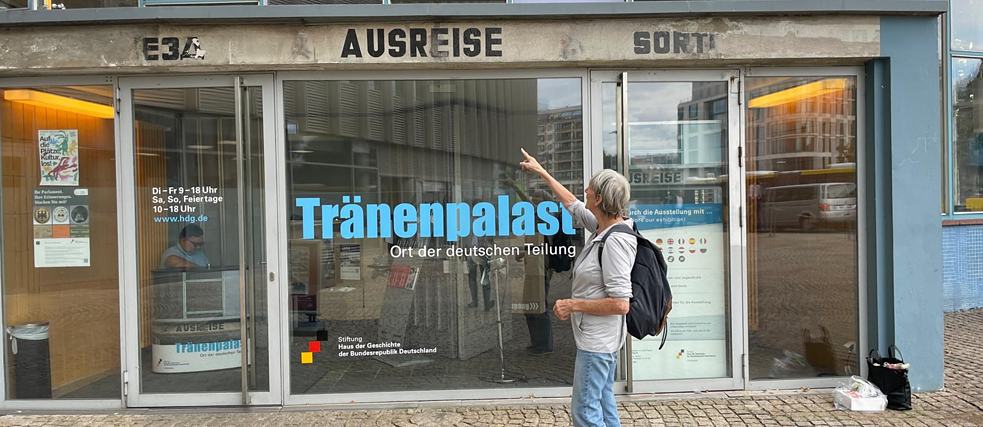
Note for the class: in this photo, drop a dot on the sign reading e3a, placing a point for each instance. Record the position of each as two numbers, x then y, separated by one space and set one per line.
171 49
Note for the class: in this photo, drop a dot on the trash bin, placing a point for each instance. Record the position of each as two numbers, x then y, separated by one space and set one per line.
30 361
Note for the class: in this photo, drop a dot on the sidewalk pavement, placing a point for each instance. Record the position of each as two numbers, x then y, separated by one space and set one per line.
960 404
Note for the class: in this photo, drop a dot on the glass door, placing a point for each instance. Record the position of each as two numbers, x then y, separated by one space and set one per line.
200 295
674 136
805 284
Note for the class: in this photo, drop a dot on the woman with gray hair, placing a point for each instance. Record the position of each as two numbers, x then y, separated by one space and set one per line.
600 297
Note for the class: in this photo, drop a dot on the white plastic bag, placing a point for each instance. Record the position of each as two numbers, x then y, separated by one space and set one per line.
859 394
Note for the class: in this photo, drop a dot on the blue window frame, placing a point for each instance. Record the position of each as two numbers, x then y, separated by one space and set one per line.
963 197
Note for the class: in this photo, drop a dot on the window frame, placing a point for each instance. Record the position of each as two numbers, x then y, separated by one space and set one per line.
67 404
949 213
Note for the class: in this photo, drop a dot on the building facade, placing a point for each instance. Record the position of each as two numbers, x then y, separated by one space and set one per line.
315 204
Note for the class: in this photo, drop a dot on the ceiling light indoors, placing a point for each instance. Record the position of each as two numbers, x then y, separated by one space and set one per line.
58 102
798 93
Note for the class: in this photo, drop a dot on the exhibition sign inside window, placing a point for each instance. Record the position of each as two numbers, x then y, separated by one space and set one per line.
59 155
693 240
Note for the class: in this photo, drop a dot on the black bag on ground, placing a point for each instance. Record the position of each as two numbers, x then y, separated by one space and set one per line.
892 382
651 298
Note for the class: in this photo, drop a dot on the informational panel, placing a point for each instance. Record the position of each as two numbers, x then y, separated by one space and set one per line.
61 227
693 242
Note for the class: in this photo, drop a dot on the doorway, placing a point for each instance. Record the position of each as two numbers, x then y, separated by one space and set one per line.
675 135
200 293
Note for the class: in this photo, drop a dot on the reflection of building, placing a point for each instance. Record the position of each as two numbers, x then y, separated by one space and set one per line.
703 129
812 130
401 141
967 130
688 167
419 143
560 133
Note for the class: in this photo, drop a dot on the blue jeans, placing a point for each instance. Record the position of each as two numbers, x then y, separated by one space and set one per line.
593 394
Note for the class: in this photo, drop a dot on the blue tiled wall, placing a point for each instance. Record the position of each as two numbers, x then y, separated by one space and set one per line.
962 267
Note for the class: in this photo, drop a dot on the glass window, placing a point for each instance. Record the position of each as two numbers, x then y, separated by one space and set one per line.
198 2
967 132
282 2
802 219
88 4
60 263
967 25
13 4
568 1
609 125
384 296
444 1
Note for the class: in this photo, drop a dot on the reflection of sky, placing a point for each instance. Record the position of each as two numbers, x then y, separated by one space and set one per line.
649 102
967 33
643 139
557 93
964 70
703 136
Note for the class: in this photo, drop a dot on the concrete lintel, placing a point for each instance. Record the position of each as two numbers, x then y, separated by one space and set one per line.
316 14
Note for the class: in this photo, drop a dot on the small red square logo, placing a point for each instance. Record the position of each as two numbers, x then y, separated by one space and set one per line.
314 346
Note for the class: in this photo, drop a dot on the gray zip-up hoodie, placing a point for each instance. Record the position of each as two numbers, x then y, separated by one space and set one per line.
601 334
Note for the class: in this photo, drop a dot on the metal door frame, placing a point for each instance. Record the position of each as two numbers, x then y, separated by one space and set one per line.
735 208
129 234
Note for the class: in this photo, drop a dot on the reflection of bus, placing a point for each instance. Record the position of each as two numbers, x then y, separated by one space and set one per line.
806 205
759 183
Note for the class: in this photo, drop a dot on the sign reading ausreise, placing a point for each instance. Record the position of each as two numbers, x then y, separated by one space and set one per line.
422 42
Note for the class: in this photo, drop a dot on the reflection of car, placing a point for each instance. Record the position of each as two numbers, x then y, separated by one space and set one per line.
808 205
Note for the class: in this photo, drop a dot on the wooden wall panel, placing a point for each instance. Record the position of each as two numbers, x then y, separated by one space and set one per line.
151 172
81 304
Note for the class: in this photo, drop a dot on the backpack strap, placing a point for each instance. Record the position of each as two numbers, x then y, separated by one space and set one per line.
620 227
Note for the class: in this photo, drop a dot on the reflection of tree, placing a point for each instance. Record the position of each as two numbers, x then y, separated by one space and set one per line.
846 153
968 131
611 161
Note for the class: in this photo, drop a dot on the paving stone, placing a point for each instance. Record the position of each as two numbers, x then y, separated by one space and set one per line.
959 404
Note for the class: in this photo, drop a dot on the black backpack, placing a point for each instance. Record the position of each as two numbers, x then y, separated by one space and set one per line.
651 298
560 262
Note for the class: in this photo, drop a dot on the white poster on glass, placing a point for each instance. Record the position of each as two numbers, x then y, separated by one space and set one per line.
61 227
693 242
